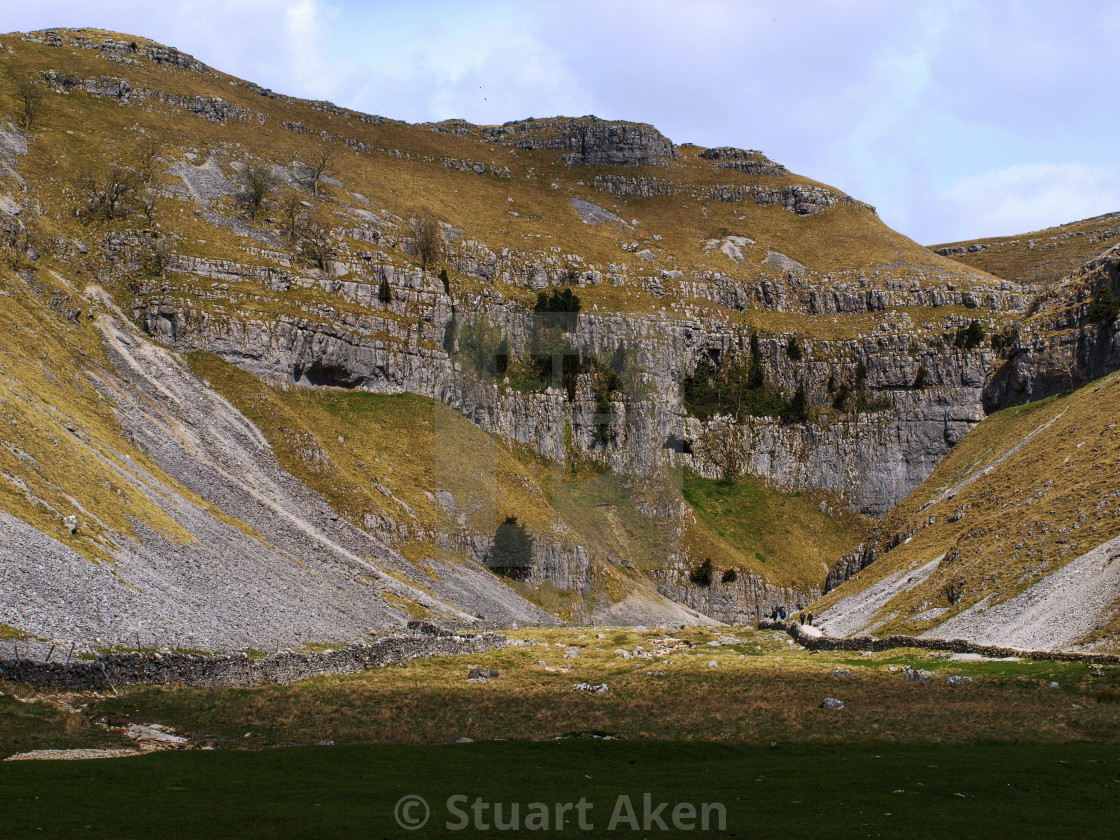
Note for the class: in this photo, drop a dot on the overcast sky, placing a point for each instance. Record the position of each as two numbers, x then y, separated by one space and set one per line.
955 119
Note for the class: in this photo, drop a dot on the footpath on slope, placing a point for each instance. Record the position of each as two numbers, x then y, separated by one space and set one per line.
240 670
813 639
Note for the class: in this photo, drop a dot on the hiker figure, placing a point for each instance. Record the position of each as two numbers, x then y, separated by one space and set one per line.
782 613
774 614
801 618
810 619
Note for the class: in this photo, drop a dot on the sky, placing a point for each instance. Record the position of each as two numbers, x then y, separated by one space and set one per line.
956 119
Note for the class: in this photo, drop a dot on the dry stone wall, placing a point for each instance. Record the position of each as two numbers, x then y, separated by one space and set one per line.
813 642
238 669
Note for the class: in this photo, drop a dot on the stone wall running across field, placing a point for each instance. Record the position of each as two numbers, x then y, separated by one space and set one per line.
814 642
238 669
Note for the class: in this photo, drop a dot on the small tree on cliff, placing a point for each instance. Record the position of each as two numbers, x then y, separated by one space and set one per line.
429 242
512 554
793 349
702 574
318 168
799 406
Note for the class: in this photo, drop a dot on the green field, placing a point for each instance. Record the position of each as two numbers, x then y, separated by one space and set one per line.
351 791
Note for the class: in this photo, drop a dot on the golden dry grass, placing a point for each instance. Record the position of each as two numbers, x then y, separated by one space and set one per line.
762 690
784 538
61 448
1057 251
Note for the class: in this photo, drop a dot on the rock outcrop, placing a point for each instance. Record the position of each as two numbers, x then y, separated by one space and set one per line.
849 566
1065 341
744 601
750 161
589 141
872 459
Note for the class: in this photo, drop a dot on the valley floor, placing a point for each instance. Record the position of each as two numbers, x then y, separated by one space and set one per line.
731 716
746 686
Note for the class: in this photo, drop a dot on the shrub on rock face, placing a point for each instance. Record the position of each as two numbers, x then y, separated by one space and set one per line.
970 337
798 410
384 293
479 341
1105 307
429 243
1006 340
501 357
730 576
793 349
450 332
861 375
558 308
512 554
553 360
755 375
735 386
702 574
922 378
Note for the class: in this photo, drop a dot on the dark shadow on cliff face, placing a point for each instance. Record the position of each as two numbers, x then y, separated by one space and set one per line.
325 374
1061 364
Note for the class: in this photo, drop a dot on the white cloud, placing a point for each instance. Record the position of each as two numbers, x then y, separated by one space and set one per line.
1018 199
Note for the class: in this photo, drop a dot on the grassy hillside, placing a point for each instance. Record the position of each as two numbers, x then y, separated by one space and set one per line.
346 443
787 537
1028 490
1041 257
